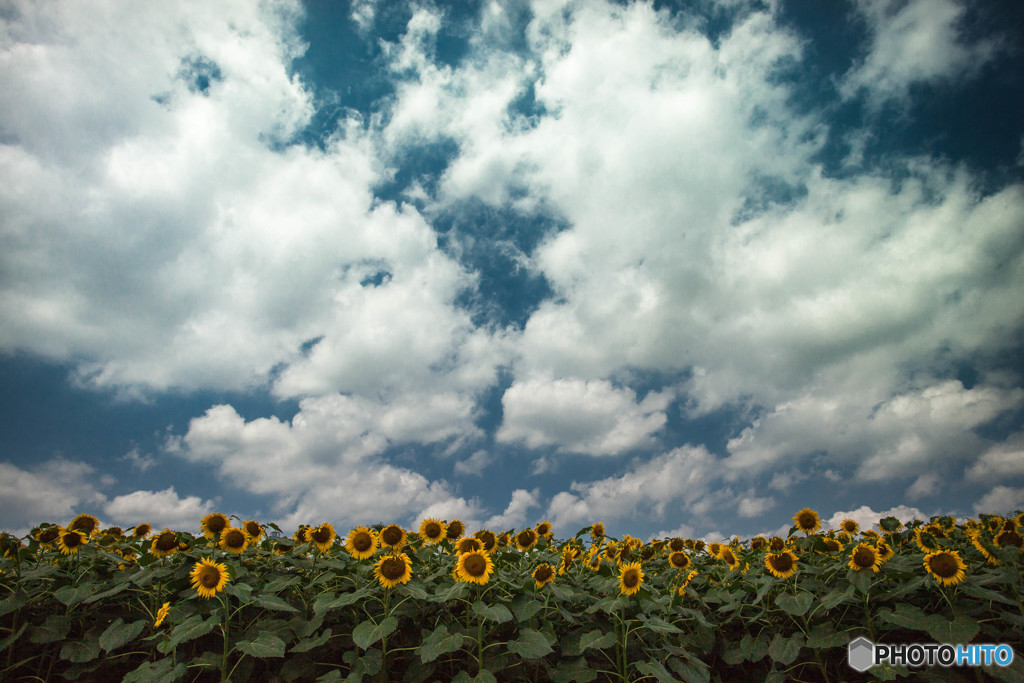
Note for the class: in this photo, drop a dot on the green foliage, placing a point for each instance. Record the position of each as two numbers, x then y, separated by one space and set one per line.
290 612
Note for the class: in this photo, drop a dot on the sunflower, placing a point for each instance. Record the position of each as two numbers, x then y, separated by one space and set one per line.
469 544
213 524
679 560
631 577
71 540
142 530
113 532
455 530
698 545
544 530
781 565
925 541
676 545
714 549
568 555
164 543
1020 520
945 566
209 578
597 531
161 614
86 523
1008 537
543 575
322 537
526 539
487 538
850 526
10 544
625 553
392 570
807 521
686 582
234 540
361 543
865 557
504 539
832 545
729 557
885 551
392 536
254 529
474 567
611 551
758 543
432 531
594 561
47 535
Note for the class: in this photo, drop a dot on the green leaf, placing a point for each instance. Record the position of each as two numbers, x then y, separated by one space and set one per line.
264 645
861 579
525 610
754 649
660 625
280 583
6 642
596 639
80 651
837 596
242 591
785 650
438 643
120 633
326 603
797 605
413 591
367 633
190 629
572 671
307 644
161 671
530 644
107 593
655 669
906 616
498 613
12 602
985 593
484 676
961 629
825 635
274 602
54 628
40 572
72 595
691 670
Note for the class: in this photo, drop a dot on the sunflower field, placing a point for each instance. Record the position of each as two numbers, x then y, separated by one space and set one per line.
243 601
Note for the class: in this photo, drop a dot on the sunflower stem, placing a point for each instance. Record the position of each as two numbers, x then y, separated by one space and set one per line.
225 627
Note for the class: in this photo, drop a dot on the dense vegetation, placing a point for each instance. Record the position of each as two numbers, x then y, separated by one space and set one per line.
382 602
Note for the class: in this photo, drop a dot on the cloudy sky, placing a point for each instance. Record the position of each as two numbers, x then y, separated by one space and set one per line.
681 267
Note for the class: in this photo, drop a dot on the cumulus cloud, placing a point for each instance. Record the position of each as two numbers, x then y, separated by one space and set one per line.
752 506
515 515
327 462
868 518
474 465
1001 500
54 491
159 508
591 417
673 480
914 42
1001 461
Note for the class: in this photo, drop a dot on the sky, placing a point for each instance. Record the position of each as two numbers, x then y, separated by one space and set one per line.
683 268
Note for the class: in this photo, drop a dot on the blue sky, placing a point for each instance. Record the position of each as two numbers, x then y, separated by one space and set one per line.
683 268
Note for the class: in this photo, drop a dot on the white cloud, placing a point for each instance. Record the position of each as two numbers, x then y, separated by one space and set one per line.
753 506
159 508
138 461
580 416
53 491
1002 461
326 464
474 465
515 515
676 479
924 486
1001 500
913 42
868 518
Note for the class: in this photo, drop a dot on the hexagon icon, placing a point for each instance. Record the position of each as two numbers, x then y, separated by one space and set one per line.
861 654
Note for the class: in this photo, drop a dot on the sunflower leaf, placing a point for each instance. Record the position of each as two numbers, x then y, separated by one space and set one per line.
107 593
265 645
326 603
691 669
961 629
161 671
572 671
797 605
439 642
656 670
482 676
413 591
80 651
785 650
861 579
660 625
525 610
367 633
498 613
55 628
837 596
190 629
596 639
72 595
5 643
274 602
530 644
120 633
12 602
307 644
825 635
